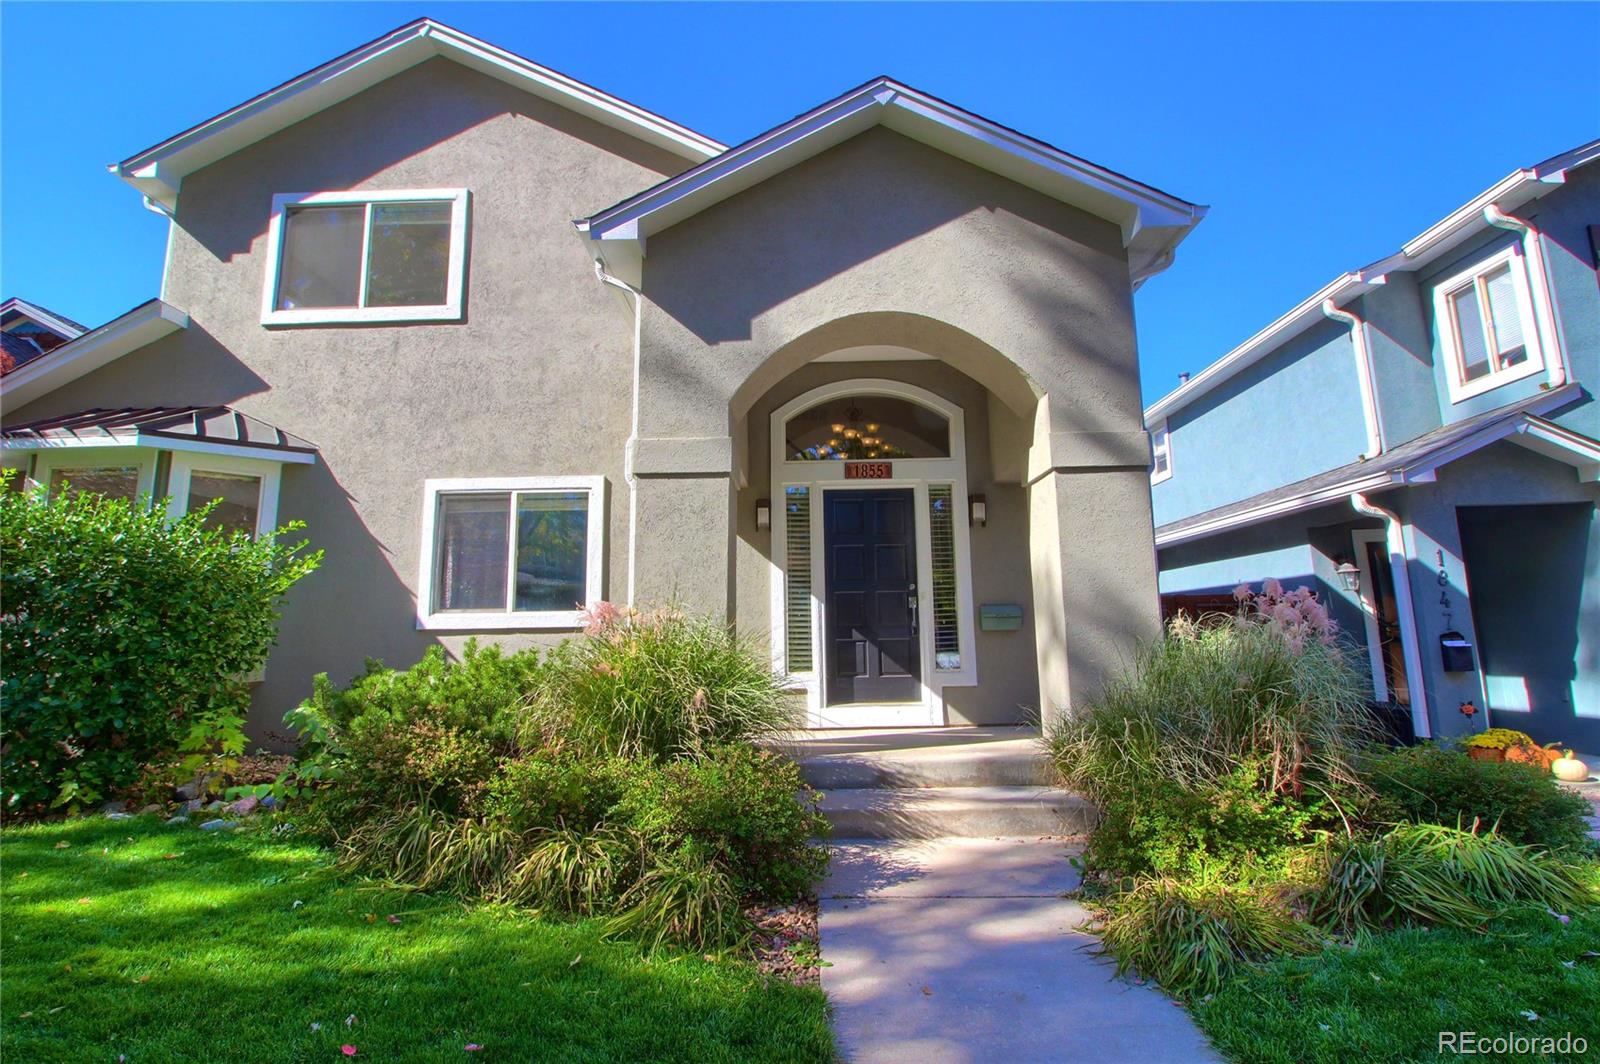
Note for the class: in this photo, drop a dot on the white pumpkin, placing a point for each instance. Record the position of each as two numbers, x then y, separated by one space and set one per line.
1569 768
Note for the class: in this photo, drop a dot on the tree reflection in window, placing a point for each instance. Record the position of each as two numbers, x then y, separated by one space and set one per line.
866 427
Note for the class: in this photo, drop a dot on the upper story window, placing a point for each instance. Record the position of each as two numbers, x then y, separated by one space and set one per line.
354 257
1160 454
864 427
1486 326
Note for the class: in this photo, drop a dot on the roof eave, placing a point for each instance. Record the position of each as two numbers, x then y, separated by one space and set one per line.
141 326
1152 222
158 171
1510 192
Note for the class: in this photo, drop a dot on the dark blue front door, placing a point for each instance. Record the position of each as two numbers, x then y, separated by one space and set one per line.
871 643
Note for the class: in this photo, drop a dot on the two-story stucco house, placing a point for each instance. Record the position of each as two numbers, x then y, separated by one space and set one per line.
864 385
1420 442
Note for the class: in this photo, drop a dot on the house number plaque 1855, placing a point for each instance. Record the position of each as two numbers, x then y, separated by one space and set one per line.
869 471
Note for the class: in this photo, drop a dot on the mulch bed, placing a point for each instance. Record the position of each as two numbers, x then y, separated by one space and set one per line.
786 944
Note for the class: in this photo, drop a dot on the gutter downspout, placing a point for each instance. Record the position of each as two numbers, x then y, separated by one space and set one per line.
1364 373
633 429
1395 540
1550 334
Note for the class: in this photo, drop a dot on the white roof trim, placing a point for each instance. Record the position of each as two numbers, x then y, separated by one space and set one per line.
158 172
61 326
1152 222
142 325
1562 444
1460 225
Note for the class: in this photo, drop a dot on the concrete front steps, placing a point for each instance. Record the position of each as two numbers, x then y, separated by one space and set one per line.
913 783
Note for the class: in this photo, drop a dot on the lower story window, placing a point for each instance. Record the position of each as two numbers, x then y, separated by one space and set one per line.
114 482
513 553
237 497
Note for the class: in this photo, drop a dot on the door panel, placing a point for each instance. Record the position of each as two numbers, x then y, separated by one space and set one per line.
873 650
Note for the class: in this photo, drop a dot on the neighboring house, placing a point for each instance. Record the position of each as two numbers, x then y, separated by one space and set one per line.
1418 442
28 331
865 385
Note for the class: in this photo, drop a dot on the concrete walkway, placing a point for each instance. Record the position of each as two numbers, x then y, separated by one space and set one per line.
962 950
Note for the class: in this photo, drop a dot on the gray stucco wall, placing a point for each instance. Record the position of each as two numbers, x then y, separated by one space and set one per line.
882 240
389 406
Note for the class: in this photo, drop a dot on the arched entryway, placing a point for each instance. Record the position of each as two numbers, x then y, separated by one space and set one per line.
872 601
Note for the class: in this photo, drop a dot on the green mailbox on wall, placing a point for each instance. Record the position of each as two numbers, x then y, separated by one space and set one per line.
999 617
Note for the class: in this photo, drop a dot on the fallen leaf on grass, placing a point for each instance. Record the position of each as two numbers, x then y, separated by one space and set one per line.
22 875
66 967
63 844
171 856
143 979
394 919
25 1015
55 1010
371 918
573 963
83 901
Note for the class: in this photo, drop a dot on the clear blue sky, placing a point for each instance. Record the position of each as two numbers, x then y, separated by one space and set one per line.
1322 136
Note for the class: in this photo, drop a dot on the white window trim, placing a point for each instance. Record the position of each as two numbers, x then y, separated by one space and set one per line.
455 283
186 463
1166 434
50 461
1450 340
506 620
916 474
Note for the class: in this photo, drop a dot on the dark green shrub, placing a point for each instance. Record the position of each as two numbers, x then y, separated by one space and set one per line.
1191 935
660 685
124 637
1436 785
1208 697
744 808
1233 828
559 789
432 735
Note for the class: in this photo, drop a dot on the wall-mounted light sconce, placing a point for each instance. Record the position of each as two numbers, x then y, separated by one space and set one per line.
978 510
1349 575
763 515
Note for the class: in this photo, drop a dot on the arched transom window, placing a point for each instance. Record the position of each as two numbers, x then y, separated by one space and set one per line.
866 426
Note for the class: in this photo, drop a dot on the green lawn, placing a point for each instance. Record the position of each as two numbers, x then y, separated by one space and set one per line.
131 939
1388 999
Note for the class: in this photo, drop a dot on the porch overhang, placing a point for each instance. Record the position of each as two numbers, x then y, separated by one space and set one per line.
1415 462
218 430
144 324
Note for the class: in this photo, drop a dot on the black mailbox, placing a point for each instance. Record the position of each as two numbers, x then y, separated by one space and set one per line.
1457 652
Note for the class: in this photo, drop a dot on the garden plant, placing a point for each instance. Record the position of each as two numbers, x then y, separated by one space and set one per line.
1254 828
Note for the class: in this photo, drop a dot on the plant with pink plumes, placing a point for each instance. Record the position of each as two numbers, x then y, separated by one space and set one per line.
1298 615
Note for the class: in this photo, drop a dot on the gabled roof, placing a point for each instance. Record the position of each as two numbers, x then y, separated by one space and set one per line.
1152 222
1510 192
208 428
158 171
142 325
59 324
1413 462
